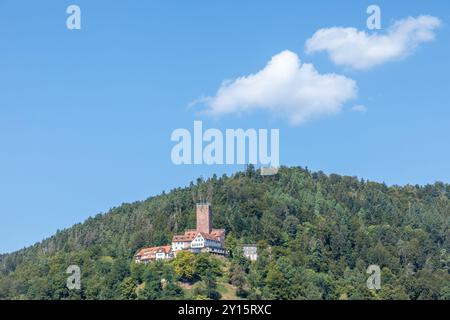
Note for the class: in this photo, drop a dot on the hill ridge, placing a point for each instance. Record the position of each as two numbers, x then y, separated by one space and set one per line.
321 225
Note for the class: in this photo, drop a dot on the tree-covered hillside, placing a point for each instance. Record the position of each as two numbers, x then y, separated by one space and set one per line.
316 236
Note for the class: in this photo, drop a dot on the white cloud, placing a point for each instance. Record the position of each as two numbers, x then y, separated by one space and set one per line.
284 87
359 108
361 50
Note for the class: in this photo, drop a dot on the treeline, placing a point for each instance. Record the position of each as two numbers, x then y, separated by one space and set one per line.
316 236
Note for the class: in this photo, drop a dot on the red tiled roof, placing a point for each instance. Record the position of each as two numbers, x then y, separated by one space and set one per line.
153 250
191 234
218 232
167 249
188 236
209 236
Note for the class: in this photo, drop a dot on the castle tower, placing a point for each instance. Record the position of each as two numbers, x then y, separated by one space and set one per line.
204 217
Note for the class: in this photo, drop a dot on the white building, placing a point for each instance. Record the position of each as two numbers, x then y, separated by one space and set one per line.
202 239
154 253
204 242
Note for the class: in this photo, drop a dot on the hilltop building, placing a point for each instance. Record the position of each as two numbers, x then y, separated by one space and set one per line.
154 253
202 239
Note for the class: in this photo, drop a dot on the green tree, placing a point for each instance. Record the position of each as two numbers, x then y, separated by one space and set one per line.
184 264
127 289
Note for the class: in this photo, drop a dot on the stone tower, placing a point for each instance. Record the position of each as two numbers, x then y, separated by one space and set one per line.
204 215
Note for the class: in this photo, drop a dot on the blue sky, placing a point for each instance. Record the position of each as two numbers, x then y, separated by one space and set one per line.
86 115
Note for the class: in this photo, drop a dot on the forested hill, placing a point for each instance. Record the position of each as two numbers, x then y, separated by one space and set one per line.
316 236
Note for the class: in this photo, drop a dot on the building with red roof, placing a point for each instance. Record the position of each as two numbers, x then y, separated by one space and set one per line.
202 239
154 253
